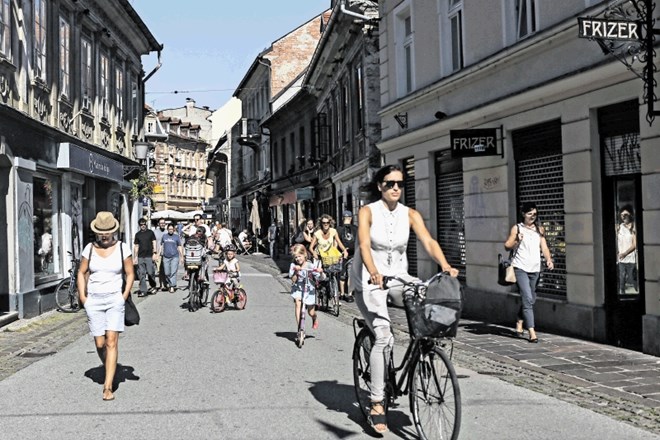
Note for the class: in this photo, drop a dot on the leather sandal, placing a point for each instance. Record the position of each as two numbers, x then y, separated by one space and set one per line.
106 397
378 420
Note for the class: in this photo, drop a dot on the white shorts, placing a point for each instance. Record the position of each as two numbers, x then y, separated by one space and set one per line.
105 312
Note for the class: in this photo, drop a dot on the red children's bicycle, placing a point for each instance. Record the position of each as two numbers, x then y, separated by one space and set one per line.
229 291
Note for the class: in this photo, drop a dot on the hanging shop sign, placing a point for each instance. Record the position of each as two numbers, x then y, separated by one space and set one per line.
597 28
635 25
473 142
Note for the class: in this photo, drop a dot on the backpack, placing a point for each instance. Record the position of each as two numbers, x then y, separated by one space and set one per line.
193 250
347 234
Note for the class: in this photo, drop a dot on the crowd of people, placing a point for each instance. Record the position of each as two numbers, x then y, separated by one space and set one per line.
377 246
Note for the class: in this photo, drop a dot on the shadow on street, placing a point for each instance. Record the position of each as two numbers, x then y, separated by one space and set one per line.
341 398
483 328
123 373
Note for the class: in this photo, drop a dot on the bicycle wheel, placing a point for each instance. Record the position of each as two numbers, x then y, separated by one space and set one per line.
204 298
218 300
66 296
192 293
362 370
241 299
435 399
334 294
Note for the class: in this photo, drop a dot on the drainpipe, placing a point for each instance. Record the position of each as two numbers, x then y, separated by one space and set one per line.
158 66
342 8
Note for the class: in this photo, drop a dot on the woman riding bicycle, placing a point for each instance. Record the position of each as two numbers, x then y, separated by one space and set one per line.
383 231
325 240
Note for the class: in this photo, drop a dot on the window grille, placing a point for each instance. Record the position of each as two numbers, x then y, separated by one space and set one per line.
540 179
451 210
409 198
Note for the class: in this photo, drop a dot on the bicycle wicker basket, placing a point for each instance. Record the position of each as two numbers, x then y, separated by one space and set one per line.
438 313
333 268
220 277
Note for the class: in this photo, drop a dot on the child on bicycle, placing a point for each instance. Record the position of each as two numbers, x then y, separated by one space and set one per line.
300 273
230 264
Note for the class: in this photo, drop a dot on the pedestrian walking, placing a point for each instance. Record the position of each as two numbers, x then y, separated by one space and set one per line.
145 256
159 231
103 293
383 230
527 240
348 234
272 240
171 252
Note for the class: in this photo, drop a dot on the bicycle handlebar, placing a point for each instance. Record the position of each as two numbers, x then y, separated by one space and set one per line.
411 283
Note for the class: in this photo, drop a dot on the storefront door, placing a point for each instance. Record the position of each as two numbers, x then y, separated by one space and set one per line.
622 223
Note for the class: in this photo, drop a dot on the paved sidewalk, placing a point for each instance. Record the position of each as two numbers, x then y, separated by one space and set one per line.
619 383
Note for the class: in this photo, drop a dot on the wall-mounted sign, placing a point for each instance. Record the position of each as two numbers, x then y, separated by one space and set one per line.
626 30
474 142
86 162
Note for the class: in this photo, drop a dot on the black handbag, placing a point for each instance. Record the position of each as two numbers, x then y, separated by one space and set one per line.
131 314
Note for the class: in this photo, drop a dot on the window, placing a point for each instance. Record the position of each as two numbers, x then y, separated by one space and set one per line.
135 105
45 195
86 74
456 26
40 34
344 111
5 29
525 17
105 86
65 57
359 101
404 51
119 96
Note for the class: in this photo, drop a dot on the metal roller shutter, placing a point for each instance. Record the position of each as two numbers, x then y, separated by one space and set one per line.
409 198
540 179
451 210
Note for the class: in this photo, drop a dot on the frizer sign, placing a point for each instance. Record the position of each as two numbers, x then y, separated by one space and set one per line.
475 142
626 30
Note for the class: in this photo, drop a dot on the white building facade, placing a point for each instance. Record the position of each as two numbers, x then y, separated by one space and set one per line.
573 136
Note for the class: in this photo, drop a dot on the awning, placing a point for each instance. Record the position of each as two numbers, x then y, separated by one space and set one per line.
299 194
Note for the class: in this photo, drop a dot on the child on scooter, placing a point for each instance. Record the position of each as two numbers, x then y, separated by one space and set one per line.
299 273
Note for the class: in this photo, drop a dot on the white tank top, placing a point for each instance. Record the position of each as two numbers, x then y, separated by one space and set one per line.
106 272
389 241
528 255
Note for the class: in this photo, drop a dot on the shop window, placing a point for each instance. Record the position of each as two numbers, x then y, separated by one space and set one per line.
46 251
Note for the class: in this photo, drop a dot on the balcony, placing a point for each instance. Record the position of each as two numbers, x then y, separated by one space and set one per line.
249 134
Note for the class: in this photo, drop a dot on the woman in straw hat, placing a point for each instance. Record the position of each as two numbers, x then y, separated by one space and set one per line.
102 293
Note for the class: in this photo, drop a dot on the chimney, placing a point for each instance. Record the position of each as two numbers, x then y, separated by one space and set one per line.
190 104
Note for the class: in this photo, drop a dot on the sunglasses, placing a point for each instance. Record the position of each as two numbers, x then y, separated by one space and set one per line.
325 223
389 184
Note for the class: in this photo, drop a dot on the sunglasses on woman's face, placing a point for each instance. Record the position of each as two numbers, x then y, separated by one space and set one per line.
389 184
325 223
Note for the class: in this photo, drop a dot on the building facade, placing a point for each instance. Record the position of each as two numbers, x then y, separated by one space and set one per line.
344 80
267 83
71 99
572 136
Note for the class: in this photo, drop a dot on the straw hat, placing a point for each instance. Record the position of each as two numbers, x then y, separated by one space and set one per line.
104 223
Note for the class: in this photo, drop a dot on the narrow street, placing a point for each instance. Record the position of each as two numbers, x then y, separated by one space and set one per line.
239 375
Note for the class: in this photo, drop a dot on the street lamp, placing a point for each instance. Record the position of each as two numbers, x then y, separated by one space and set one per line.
142 151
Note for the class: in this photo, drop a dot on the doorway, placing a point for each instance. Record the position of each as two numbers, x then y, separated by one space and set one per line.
622 223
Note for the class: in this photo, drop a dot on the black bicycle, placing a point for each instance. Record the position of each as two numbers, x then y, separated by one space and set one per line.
198 286
66 292
426 371
328 291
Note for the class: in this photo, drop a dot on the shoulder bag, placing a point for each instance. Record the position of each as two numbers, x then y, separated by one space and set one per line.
505 273
131 314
